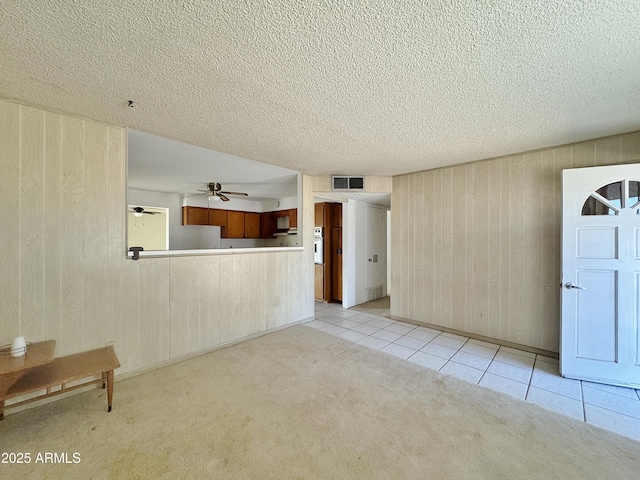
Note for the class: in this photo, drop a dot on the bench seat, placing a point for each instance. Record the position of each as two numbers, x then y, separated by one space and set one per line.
64 370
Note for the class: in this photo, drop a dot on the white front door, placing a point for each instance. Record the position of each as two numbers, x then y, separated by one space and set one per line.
601 275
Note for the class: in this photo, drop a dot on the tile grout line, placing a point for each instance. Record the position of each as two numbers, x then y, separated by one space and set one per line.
486 369
584 408
533 368
537 360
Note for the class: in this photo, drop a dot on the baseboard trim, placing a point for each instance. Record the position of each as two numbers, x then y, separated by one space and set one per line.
525 348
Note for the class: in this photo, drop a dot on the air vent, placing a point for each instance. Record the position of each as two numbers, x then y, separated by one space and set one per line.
347 183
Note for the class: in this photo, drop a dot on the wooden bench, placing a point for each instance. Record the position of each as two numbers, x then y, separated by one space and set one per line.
60 372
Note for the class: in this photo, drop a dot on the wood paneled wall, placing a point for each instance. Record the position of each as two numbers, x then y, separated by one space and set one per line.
64 274
476 247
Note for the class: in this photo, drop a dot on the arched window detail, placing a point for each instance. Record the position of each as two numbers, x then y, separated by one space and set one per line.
613 197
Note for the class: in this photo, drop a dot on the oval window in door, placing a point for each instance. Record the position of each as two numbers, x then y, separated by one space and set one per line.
613 197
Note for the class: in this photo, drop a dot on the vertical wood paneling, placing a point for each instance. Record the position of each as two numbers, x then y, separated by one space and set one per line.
129 340
583 155
208 283
32 222
517 216
116 237
72 221
53 234
496 247
437 241
533 243
505 245
549 235
417 243
65 276
96 154
480 246
447 247
459 248
630 148
10 222
154 310
494 251
607 151
428 232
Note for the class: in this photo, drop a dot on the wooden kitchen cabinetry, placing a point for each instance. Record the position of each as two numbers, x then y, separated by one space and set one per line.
267 225
235 225
218 217
195 216
251 225
293 217
292 213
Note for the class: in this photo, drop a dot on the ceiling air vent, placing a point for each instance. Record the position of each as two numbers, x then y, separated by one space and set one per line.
347 183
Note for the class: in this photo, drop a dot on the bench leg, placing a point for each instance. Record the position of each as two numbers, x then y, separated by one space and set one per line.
2 410
104 379
109 389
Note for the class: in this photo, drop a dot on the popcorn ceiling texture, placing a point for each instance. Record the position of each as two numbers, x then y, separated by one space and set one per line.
379 87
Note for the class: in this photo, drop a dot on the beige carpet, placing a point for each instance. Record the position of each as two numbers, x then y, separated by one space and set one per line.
301 404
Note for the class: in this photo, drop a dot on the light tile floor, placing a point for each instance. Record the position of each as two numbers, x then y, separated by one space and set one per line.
523 375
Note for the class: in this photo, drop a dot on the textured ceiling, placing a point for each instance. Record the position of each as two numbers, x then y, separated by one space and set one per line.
336 86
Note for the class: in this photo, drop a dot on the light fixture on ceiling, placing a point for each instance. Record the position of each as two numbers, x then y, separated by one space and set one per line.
214 198
137 214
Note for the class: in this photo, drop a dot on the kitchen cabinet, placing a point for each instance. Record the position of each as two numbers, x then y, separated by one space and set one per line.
267 225
238 224
293 217
251 225
235 225
291 214
218 217
195 216
318 217
337 215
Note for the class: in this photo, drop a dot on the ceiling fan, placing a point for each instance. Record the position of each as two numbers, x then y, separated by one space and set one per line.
139 211
215 192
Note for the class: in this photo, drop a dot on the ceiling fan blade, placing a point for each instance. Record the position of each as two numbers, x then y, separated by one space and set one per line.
224 199
235 193
152 213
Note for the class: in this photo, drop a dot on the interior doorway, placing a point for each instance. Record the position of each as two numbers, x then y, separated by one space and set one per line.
328 224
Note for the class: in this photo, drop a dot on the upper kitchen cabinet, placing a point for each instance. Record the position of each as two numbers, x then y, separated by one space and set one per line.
337 214
235 225
251 225
293 217
218 217
195 216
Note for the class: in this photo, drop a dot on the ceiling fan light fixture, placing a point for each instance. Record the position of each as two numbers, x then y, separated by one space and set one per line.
137 214
214 198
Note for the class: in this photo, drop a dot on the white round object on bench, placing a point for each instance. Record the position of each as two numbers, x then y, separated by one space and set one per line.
19 347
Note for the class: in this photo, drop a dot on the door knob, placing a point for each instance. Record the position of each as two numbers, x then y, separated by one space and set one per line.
571 285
